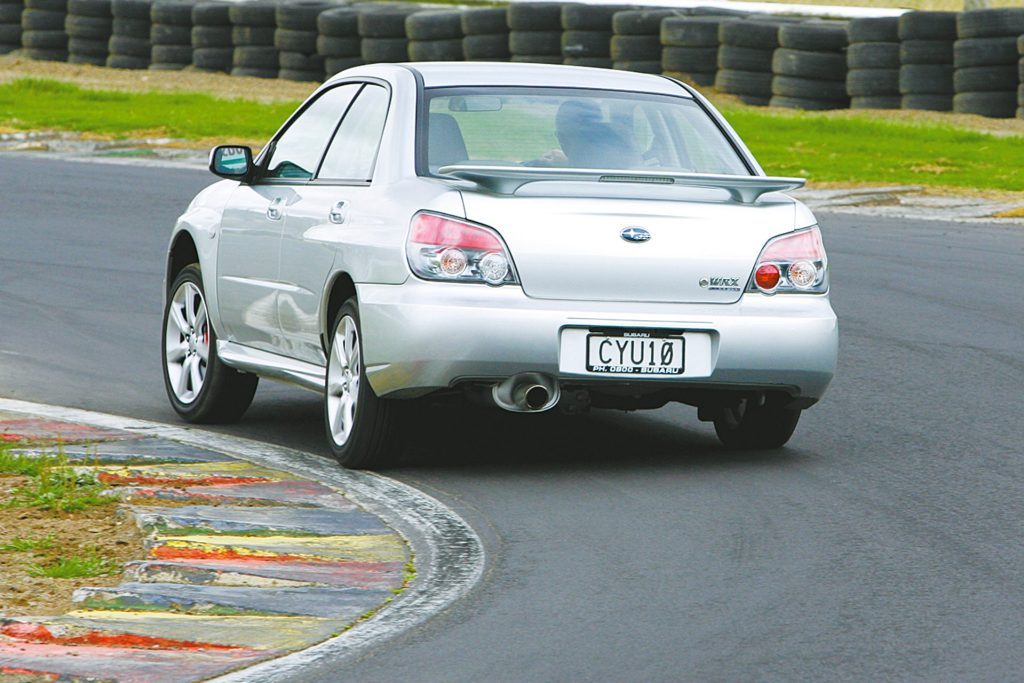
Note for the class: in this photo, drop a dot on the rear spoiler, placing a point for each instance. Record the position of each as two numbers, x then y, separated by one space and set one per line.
506 180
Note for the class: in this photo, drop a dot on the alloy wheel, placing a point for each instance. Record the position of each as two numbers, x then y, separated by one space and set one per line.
344 370
187 342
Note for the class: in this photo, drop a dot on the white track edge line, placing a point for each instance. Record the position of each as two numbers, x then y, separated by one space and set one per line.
449 555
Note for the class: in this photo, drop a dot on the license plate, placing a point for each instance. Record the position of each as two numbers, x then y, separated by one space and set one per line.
641 352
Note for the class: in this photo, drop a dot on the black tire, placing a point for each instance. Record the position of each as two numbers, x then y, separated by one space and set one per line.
926 52
299 61
733 82
42 20
89 28
171 54
10 36
484 21
702 79
98 9
213 58
586 43
534 16
873 83
449 50
874 30
579 17
247 72
486 46
11 14
434 25
999 104
130 47
313 76
47 5
751 426
256 57
807 104
830 66
873 56
131 28
809 88
211 37
690 59
376 437
116 61
301 15
45 40
813 37
336 46
985 52
292 40
762 35
745 58
641 22
927 102
985 79
926 79
88 48
335 65
167 34
927 26
384 50
225 393
635 48
591 62
876 102
211 14
253 14
91 60
171 13
639 66
43 55
535 42
989 23
691 31
384 22
341 22
538 59
259 36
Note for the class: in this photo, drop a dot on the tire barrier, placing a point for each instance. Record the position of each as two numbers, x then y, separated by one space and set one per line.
926 60
985 61
338 39
10 25
873 60
42 30
486 34
809 68
129 39
690 49
751 45
212 49
89 25
535 32
435 36
636 45
587 34
253 25
295 38
1020 77
382 33
171 35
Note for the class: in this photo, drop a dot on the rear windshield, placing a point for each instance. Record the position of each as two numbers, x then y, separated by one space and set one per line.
574 128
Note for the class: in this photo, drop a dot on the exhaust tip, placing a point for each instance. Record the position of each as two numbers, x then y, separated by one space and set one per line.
537 397
527 392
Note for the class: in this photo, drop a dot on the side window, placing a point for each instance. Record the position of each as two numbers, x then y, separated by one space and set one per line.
298 150
354 149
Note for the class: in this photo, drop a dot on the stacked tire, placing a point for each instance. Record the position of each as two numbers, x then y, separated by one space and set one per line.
296 37
690 48
382 30
926 60
1020 77
171 35
587 34
129 42
435 36
42 30
535 32
985 62
89 26
873 60
10 25
745 59
485 32
253 25
636 45
212 49
338 39
810 67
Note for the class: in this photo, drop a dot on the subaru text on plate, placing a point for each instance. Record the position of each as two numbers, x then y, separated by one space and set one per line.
533 236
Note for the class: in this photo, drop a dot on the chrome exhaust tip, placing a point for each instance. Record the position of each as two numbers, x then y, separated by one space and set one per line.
529 392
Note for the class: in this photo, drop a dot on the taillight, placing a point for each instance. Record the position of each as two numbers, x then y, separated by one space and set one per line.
445 248
792 263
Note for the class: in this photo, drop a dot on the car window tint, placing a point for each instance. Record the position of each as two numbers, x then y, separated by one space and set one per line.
354 149
297 152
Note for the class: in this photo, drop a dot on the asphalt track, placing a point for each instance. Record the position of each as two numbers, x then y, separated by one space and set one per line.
884 543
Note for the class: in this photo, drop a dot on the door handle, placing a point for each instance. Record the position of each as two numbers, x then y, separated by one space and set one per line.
274 211
337 213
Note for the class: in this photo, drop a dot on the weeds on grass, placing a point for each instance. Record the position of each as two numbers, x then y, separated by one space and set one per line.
75 567
14 463
55 485
19 544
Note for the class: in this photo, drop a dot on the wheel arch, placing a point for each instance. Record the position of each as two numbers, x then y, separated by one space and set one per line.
183 252
342 288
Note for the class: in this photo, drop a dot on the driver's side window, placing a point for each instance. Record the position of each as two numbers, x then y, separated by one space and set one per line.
298 150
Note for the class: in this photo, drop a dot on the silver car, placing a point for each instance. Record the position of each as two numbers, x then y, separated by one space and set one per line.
531 236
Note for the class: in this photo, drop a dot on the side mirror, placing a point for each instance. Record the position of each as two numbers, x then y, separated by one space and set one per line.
233 162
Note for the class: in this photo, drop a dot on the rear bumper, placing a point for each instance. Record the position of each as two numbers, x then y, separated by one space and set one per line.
420 336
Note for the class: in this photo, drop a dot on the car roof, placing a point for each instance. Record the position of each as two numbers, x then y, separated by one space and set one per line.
456 74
